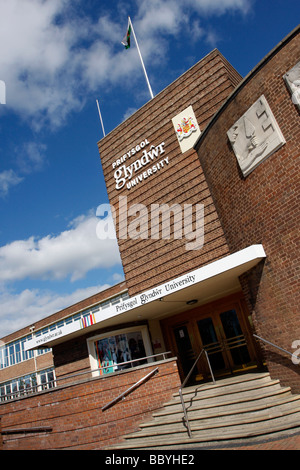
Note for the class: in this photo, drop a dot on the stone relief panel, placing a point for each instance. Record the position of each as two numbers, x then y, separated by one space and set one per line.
255 136
292 79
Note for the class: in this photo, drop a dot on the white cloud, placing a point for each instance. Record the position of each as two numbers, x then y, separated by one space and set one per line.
36 58
31 157
220 6
24 308
73 253
51 58
8 178
70 254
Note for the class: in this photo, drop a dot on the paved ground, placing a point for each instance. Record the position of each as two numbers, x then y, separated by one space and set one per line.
289 443
288 440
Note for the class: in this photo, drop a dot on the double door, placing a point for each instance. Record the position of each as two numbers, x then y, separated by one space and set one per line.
223 337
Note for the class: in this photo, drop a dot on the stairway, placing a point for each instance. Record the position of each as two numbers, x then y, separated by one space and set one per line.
236 408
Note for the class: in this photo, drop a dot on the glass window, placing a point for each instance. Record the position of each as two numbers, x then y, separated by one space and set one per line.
1 358
6 361
12 355
47 379
27 384
2 392
18 352
14 387
113 353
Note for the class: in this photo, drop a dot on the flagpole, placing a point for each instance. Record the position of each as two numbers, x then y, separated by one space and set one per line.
100 117
137 46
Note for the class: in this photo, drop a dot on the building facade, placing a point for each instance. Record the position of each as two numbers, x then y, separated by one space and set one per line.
204 191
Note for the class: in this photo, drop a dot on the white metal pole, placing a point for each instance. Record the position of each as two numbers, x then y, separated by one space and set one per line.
137 46
100 117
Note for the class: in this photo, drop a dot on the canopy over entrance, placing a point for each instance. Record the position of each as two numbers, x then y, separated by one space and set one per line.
210 282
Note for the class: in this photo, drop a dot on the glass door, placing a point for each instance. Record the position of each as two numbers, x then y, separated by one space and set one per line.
212 342
222 337
222 330
234 340
184 348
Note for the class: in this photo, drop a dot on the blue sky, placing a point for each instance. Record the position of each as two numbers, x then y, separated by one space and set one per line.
56 58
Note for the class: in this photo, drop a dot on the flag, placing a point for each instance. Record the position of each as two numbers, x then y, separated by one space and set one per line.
126 43
126 39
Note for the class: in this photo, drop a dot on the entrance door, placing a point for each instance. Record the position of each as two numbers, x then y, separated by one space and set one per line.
212 343
184 348
222 337
234 340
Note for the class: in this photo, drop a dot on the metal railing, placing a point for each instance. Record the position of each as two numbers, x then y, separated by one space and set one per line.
274 345
185 382
25 391
38 388
123 365
123 395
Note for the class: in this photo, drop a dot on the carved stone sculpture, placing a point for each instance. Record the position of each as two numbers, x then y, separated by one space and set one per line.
255 136
292 79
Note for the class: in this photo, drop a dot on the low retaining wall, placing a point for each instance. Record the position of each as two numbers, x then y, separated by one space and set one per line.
70 417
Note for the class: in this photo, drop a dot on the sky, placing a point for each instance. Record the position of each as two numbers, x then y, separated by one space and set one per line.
57 57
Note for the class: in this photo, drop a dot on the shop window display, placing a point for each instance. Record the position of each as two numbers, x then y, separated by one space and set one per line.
113 351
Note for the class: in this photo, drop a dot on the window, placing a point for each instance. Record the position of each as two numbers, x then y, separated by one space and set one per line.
27 384
47 379
109 352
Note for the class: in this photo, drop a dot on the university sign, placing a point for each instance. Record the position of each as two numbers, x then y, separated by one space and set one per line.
252 254
151 159
110 312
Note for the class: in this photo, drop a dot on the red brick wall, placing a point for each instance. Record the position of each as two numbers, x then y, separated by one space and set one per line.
149 262
264 207
74 412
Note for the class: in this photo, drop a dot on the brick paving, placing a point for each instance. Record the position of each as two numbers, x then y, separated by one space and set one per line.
289 442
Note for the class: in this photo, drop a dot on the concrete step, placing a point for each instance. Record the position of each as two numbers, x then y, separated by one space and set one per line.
202 422
214 400
212 436
226 410
234 408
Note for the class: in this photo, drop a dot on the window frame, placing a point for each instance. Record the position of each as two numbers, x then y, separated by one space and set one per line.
143 329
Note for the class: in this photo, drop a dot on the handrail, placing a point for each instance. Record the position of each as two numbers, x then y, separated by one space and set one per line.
129 390
184 383
5 432
274 345
133 360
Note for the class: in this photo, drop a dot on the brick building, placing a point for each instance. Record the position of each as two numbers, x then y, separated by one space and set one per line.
204 189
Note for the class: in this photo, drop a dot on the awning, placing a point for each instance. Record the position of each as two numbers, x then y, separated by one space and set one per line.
210 282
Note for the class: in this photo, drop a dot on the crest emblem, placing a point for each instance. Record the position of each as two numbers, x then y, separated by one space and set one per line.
185 127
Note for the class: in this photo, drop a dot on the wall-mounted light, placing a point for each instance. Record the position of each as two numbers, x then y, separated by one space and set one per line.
192 302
